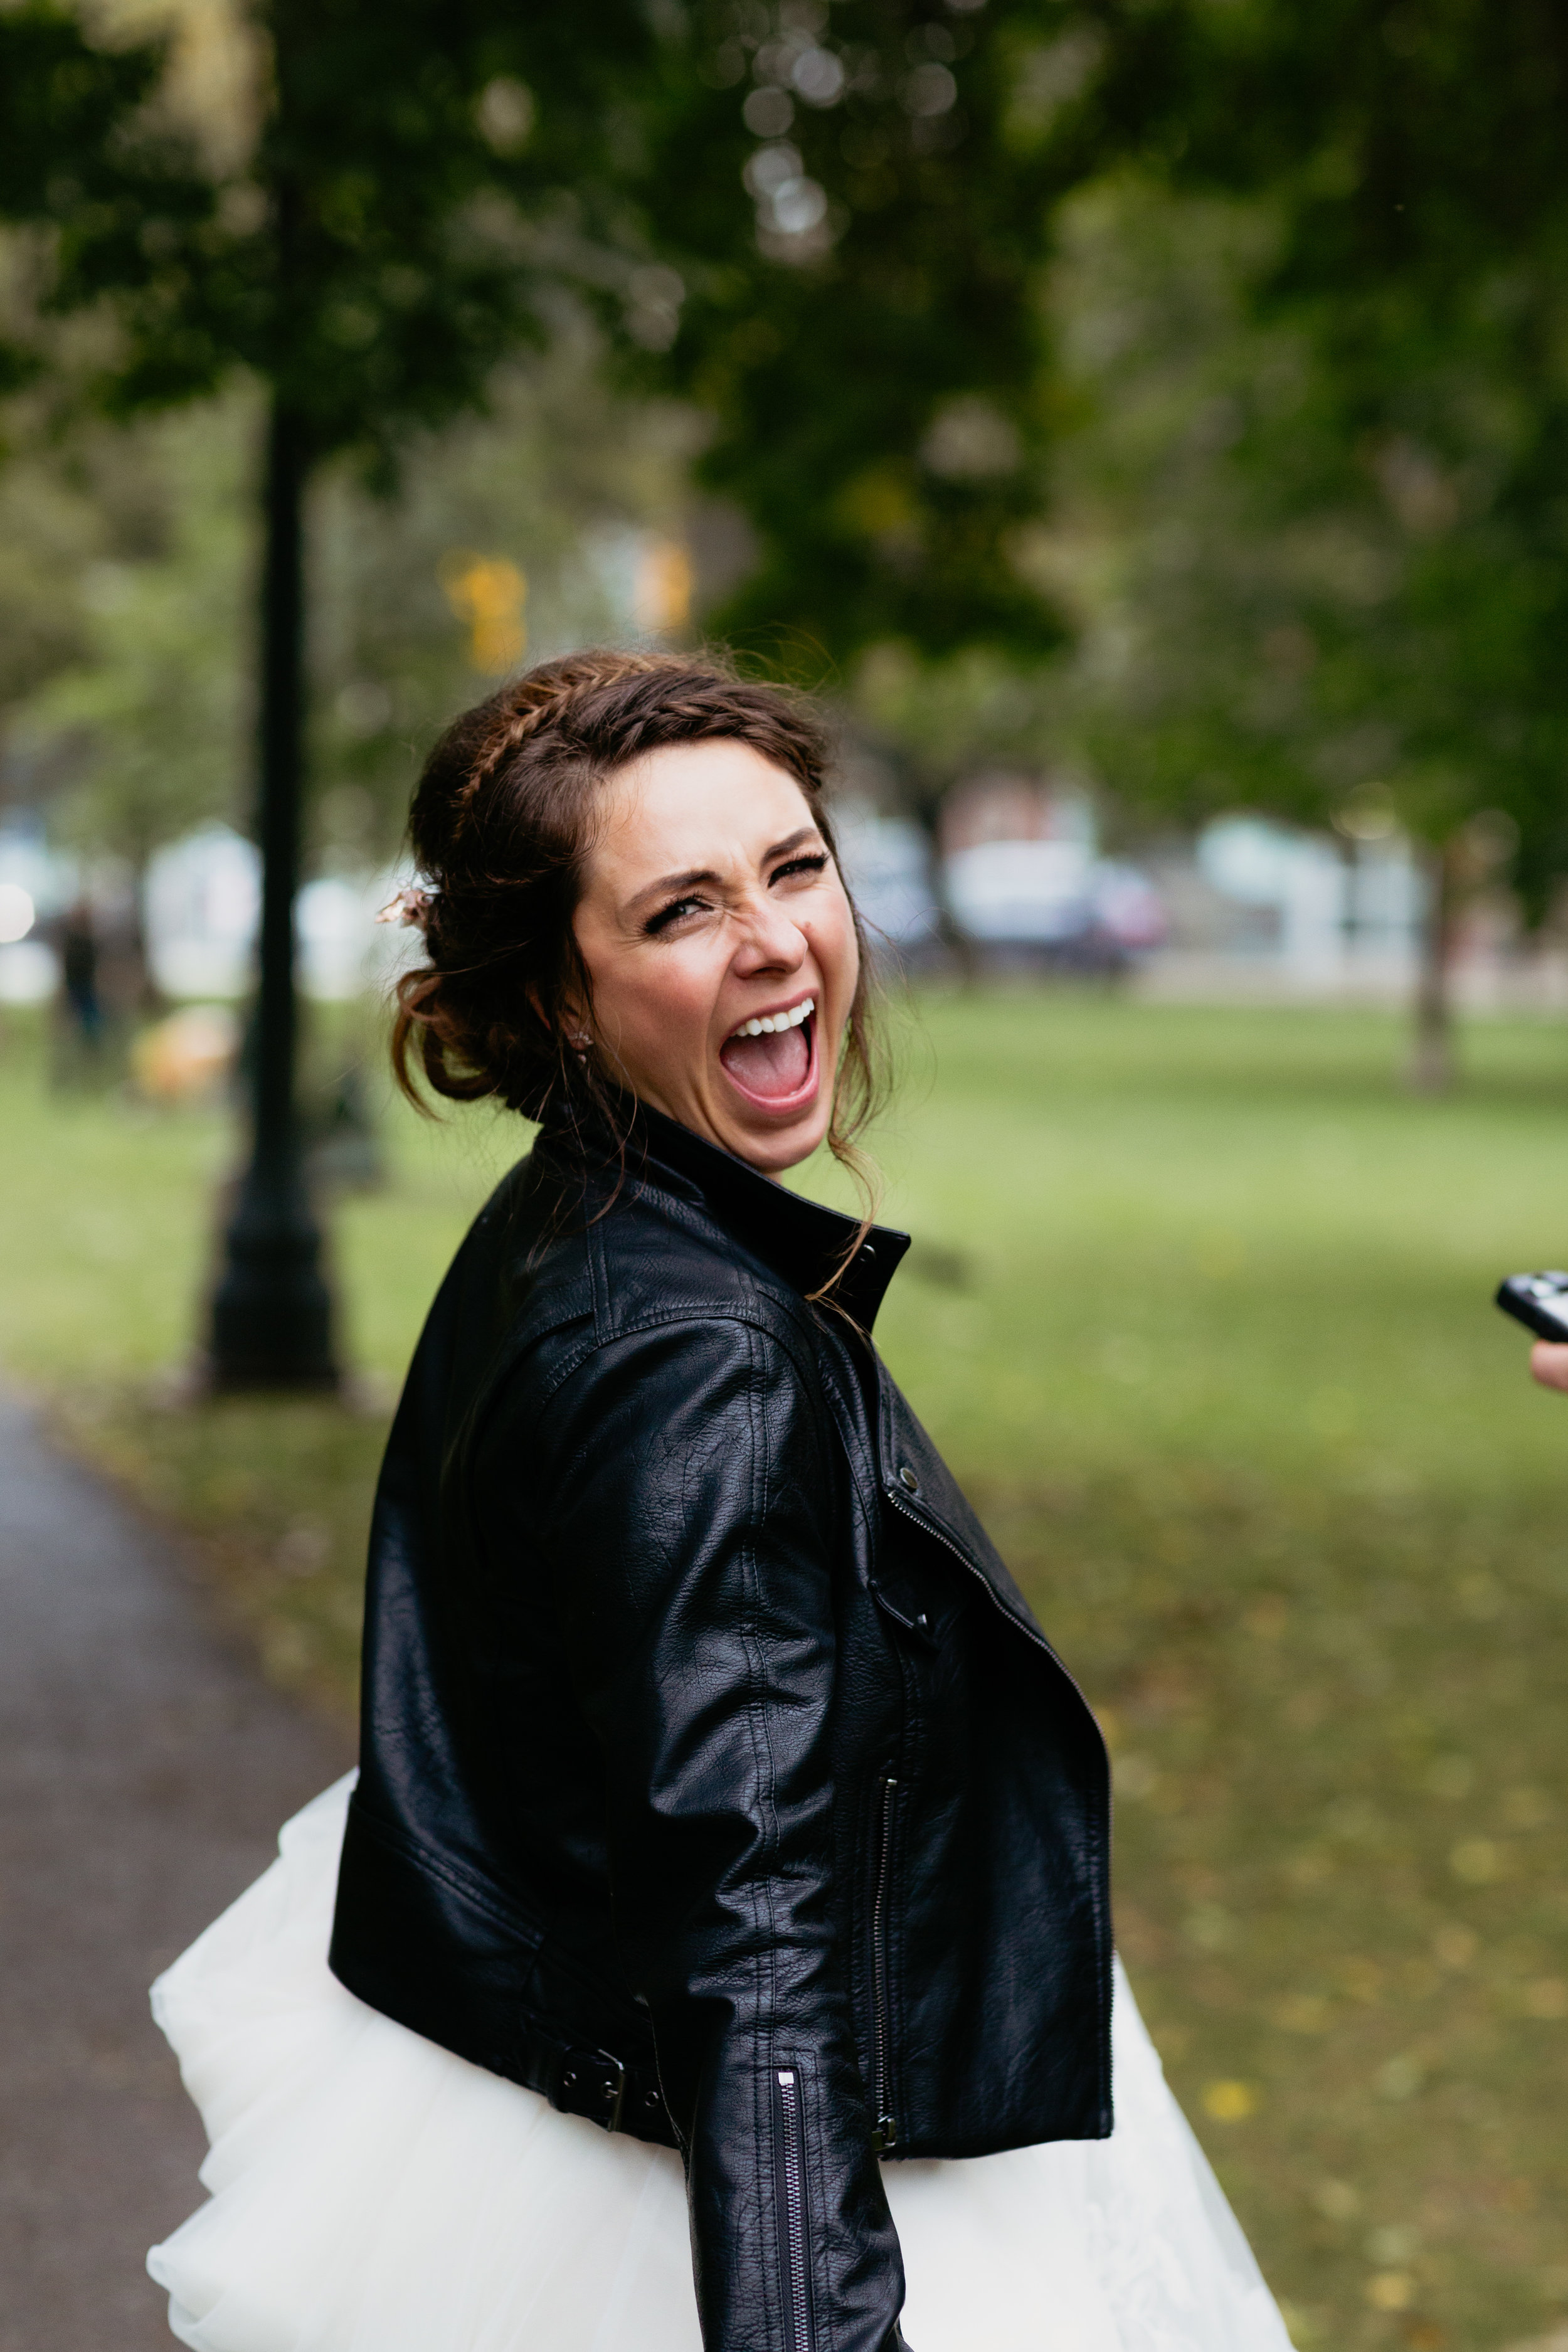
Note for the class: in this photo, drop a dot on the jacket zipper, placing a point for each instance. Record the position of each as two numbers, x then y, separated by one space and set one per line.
917 1519
939 1535
885 2134
791 2209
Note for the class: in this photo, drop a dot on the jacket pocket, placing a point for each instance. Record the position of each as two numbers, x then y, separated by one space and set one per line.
787 2084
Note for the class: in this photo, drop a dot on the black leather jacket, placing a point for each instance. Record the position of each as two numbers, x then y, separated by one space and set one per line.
716 1780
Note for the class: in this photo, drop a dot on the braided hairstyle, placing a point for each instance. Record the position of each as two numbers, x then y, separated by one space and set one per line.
501 822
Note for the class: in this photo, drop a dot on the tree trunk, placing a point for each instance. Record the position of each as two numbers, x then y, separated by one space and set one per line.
148 1001
951 933
271 1312
1430 1070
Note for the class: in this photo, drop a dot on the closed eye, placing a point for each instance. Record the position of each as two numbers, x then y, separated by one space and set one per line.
814 864
673 912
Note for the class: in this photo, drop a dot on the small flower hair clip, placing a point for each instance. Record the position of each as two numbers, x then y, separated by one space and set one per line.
410 906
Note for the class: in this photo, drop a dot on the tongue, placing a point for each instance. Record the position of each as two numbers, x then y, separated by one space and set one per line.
774 1063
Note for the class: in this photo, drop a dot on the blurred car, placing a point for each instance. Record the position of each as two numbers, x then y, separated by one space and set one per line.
1053 902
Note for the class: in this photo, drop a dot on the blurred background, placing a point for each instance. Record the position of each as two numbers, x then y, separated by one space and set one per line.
1147 422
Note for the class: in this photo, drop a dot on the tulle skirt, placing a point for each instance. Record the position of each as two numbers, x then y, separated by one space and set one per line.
370 2192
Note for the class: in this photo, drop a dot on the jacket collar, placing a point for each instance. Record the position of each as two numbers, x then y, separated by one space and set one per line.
798 1239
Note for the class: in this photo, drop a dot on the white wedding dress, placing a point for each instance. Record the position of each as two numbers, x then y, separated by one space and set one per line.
370 2192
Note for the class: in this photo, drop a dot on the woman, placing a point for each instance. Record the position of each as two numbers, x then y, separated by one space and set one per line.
726 1835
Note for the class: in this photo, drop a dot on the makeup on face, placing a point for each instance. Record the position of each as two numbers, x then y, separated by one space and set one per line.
721 949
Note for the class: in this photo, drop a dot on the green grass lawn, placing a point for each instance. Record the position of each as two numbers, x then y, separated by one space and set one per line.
1199 1309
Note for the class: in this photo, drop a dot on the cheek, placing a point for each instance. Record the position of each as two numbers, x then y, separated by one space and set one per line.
837 949
664 1007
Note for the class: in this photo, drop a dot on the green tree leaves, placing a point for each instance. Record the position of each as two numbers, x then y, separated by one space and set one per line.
861 234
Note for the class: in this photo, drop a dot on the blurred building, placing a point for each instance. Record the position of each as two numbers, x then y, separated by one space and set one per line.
203 904
1257 907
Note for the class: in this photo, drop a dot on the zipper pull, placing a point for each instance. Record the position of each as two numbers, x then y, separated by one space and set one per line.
885 2135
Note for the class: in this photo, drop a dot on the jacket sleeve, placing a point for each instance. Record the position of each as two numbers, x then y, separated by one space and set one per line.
692 1527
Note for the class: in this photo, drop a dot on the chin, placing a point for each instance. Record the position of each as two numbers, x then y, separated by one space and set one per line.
773 1150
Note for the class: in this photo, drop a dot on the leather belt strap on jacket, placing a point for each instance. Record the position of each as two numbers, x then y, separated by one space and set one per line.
579 2082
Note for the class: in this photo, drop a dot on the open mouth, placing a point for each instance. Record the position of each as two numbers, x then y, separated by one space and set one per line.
772 1058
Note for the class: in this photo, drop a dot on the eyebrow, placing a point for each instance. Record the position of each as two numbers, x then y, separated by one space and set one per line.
675 882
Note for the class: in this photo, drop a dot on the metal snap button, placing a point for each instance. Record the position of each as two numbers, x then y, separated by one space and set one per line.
908 1480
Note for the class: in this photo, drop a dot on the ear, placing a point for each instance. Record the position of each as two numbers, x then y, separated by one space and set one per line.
570 1018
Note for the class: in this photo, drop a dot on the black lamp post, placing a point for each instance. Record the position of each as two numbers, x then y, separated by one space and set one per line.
272 1311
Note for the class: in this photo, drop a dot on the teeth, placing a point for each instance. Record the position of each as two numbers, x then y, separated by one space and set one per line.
768 1023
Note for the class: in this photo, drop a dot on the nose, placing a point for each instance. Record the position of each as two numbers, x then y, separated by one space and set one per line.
770 940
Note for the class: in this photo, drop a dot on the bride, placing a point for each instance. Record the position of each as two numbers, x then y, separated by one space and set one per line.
713 1948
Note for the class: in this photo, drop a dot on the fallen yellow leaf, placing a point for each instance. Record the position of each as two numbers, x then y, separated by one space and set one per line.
1229 2102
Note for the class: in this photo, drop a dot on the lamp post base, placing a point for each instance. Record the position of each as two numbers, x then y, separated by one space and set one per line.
272 1312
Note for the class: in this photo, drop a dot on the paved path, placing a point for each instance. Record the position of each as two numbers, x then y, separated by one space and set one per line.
144 1772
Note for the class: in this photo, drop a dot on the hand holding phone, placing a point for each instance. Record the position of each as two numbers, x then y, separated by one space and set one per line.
1540 1301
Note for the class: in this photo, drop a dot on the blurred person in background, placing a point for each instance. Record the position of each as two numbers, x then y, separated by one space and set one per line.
725 1882
79 1019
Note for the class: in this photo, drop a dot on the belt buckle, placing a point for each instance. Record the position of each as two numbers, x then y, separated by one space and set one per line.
597 2080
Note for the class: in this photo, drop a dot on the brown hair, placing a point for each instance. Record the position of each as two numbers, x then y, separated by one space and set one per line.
500 824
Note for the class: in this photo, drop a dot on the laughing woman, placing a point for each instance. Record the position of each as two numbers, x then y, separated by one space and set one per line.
724 1888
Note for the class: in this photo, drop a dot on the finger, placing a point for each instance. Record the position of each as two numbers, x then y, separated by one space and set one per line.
1549 1364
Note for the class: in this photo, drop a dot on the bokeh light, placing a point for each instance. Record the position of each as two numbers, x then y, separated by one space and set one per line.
17 913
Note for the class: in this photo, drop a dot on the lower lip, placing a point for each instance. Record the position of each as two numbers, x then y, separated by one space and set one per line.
784 1105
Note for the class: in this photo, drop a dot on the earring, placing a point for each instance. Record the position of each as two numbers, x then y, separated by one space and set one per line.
580 1038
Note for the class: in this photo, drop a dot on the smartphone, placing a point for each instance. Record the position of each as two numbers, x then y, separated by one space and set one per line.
1539 1301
